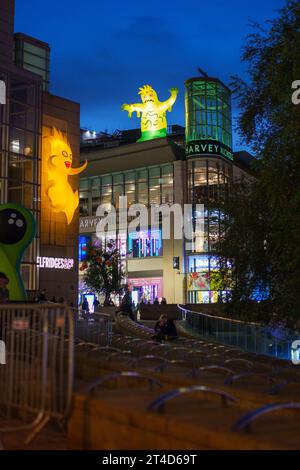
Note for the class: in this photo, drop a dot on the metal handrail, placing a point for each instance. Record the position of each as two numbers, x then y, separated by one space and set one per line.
234 378
148 357
239 360
116 375
159 403
233 320
215 367
246 420
270 340
276 389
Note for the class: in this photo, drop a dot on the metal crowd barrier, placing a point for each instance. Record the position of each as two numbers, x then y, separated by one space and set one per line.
251 337
93 328
36 381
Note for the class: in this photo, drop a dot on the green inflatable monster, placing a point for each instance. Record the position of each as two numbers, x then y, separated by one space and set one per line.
17 229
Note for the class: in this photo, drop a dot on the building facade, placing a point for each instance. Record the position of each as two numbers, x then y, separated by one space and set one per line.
27 113
193 170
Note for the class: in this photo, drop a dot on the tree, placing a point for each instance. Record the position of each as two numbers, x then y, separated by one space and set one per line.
266 225
103 272
244 267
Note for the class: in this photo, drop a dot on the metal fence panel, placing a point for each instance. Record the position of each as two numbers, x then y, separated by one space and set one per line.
94 328
37 376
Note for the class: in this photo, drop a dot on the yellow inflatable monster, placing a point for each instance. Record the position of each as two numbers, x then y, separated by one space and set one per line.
154 121
59 167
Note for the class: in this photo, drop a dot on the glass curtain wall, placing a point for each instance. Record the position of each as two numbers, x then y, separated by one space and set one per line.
208 111
20 124
153 185
33 57
208 181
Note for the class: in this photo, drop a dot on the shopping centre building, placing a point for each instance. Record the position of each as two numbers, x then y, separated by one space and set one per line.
187 166
39 148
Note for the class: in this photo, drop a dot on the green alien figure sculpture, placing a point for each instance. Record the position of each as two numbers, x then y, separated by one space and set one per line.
17 229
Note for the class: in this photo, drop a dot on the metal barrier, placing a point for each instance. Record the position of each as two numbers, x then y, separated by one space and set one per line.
251 337
37 379
94 328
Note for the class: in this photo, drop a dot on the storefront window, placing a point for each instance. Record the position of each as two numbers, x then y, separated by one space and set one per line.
145 243
83 247
145 289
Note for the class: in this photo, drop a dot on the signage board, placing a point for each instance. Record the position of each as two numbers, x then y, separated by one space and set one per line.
208 147
55 263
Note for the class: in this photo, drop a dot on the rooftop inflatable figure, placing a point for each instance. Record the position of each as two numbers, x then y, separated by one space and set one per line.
59 159
153 121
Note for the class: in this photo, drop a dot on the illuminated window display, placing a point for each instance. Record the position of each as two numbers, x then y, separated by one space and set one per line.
145 243
146 289
153 121
83 246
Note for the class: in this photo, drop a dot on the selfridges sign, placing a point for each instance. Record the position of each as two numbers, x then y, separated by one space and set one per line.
208 147
2 92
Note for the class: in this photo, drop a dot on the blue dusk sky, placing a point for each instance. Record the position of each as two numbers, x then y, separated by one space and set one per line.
102 52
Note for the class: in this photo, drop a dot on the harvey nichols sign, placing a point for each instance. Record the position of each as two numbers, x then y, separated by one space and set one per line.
208 147
2 92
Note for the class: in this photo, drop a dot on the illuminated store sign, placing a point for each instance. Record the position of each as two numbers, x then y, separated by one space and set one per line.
208 147
57 156
2 92
153 121
55 263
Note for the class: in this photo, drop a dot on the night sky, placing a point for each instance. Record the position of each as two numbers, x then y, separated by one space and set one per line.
102 52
